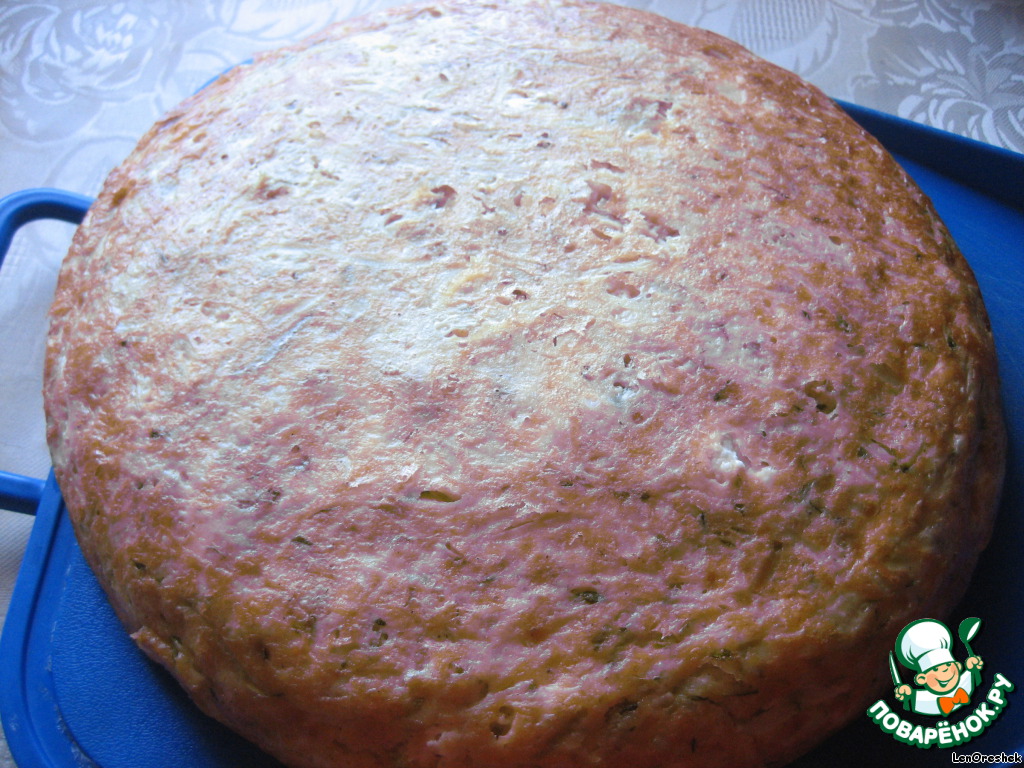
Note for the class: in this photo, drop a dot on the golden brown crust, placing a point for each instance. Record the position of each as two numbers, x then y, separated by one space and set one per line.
521 384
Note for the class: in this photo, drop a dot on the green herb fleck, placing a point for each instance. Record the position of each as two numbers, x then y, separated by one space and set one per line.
588 596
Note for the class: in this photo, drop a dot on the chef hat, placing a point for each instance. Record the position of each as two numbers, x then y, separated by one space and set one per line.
924 644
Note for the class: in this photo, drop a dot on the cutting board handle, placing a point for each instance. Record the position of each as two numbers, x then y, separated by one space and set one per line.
20 208
17 492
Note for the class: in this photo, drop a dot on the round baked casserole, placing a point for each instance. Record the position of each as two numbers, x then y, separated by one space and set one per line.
521 385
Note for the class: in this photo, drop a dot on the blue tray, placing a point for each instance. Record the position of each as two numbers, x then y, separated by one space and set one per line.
74 690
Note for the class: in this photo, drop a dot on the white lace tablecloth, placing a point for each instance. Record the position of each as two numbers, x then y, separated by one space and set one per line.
81 80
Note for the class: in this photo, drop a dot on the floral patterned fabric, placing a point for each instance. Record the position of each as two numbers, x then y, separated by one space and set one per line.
81 80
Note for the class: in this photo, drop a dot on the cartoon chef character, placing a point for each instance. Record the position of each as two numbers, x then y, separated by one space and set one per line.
926 647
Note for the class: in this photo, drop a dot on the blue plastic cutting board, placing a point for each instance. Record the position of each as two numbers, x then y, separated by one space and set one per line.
74 691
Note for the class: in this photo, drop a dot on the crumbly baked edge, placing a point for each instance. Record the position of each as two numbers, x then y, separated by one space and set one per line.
84 504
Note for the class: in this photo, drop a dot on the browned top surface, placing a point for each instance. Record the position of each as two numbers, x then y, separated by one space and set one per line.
521 386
